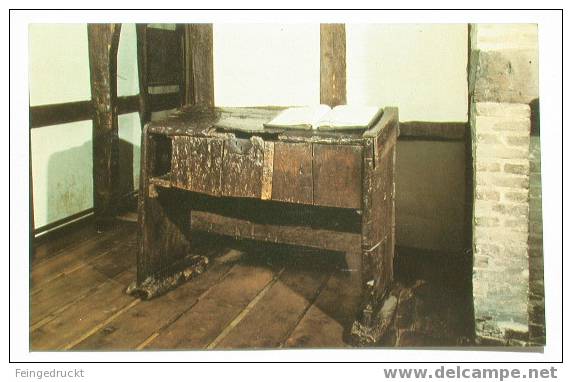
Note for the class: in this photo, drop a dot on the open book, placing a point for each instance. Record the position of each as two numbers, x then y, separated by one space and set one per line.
325 118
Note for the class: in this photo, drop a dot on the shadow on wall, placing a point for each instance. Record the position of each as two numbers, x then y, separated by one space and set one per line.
70 179
430 195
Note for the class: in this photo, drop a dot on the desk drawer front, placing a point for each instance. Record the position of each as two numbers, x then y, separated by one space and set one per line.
196 164
337 173
318 174
292 178
242 167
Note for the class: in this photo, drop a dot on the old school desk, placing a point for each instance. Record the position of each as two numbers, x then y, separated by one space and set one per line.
217 170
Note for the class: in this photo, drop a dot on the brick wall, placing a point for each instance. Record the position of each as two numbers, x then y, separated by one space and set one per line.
535 251
507 269
501 138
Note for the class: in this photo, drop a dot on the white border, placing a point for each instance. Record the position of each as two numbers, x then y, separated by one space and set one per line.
550 85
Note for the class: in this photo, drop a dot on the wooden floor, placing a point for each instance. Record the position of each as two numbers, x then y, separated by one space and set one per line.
251 296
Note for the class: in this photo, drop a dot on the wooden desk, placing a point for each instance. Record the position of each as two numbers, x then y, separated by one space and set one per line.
330 190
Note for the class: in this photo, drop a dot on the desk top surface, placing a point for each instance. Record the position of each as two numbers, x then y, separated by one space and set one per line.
216 122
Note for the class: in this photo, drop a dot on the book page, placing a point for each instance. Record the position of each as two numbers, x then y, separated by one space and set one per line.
350 116
305 117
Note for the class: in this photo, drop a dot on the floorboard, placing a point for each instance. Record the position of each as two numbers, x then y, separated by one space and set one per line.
253 295
57 293
328 320
144 321
77 256
277 313
68 327
224 301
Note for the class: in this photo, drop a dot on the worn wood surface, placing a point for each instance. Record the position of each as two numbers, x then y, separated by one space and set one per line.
142 72
275 233
310 304
83 253
103 42
80 279
164 234
327 321
196 164
293 180
337 172
351 175
199 53
163 57
332 64
276 314
197 328
155 315
242 167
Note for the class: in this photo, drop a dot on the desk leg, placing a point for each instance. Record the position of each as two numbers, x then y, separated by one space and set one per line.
378 222
163 260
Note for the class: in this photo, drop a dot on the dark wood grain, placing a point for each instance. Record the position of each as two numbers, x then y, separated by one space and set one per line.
293 180
164 222
163 57
337 172
271 320
304 235
201 77
228 298
332 64
434 131
80 255
242 167
74 322
327 321
154 316
103 42
55 114
197 164
142 72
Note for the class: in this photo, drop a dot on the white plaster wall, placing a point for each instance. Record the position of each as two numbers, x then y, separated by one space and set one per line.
421 68
266 64
62 154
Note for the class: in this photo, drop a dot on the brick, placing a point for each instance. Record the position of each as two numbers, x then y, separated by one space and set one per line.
505 237
487 221
486 194
516 196
514 181
488 249
484 138
488 167
504 36
519 225
481 261
517 141
500 151
519 169
506 76
503 110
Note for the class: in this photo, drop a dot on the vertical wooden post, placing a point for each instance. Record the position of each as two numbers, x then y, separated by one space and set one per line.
144 109
199 75
103 41
332 64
